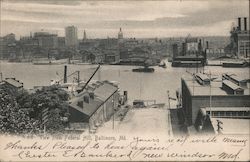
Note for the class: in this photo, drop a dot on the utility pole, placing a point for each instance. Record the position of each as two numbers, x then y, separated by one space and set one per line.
99 74
113 123
210 93
140 84
78 77
169 117
168 114
193 79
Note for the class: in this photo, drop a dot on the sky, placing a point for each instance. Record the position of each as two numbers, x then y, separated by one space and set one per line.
140 19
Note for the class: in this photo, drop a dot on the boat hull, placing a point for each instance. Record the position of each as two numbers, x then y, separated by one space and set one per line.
146 70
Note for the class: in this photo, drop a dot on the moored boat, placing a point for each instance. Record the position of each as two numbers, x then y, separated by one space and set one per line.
234 64
145 69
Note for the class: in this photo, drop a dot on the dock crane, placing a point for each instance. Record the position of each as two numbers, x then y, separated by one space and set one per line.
78 76
91 77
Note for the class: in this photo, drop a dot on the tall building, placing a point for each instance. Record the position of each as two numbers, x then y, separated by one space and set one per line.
46 40
61 42
191 45
175 50
120 34
71 39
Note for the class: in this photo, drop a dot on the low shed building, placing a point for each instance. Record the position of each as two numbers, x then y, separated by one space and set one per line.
95 105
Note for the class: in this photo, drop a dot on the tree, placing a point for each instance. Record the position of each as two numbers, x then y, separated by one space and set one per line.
22 112
55 123
14 119
52 98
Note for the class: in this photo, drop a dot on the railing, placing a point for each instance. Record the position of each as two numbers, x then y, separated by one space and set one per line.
235 117
240 114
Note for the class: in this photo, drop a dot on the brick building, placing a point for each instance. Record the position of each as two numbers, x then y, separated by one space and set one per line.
46 40
215 94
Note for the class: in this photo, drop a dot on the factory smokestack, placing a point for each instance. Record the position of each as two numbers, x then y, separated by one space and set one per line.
65 74
245 23
239 23
199 46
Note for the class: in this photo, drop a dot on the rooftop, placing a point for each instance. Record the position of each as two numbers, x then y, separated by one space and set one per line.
204 77
191 40
14 82
216 84
105 91
88 108
200 90
232 85
240 78
102 91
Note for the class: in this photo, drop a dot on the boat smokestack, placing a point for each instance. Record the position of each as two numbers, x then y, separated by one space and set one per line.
65 74
245 23
239 23
125 93
207 45
199 46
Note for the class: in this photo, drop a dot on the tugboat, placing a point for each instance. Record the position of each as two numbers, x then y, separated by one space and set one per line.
145 69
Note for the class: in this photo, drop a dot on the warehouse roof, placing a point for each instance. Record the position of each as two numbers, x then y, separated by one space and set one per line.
203 77
101 93
232 85
88 108
200 90
105 91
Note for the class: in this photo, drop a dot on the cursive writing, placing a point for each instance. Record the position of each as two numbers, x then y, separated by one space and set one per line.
18 145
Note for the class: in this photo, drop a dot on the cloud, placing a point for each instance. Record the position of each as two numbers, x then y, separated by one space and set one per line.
134 16
55 2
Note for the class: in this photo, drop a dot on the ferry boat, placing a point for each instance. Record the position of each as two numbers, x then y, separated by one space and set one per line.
49 62
144 69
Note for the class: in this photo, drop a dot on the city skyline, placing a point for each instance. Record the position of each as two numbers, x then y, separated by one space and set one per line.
103 19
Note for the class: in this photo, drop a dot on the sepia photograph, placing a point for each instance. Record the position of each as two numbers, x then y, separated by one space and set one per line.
124 80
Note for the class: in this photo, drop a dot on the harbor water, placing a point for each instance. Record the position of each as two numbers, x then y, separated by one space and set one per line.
146 86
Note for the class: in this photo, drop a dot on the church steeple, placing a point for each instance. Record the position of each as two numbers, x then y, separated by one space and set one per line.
84 35
120 34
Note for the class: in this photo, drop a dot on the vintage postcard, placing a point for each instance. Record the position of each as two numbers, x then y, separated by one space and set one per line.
124 80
